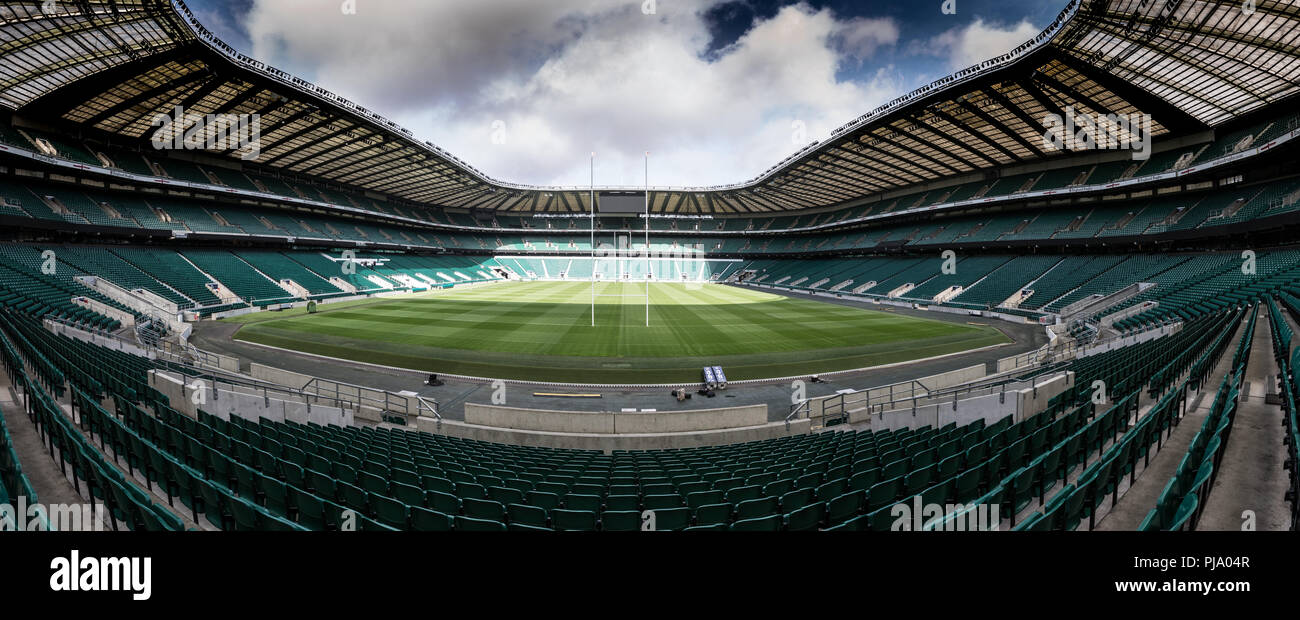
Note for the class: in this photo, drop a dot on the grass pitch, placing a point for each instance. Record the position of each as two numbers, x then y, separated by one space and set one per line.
542 331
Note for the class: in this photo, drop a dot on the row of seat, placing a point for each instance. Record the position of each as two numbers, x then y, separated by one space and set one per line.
220 505
1155 362
409 510
1089 174
99 370
1183 498
1287 360
540 507
13 482
104 482
1067 507
295 476
566 518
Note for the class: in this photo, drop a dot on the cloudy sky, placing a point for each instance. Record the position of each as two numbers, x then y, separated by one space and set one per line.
716 90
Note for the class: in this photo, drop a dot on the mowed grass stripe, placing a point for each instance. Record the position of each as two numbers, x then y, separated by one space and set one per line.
541 330
801 329
522 325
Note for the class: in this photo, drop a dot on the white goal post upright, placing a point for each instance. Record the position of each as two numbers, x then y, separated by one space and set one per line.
618 254
646 224
592 205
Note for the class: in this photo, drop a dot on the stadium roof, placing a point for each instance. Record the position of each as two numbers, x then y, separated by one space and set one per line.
109 67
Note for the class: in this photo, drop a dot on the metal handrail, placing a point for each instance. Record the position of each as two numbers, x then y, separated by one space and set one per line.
795 408
1043 362
167 359
388 402
836 403
967 389
266 387
431 407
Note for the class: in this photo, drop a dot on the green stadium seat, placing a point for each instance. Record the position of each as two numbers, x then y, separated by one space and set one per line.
523 527
845 506
310 509
353 497
246 517
661 502
530 515
216 506
796 499
574 520
435 483
482 508
671 519
713 514
408 494
388 511
856 524
770 523
809 517
623 503
884 493
506 495
582 502
470 524
864 480
543 499
620 521
275 496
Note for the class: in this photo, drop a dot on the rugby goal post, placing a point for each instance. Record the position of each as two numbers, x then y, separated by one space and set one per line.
618 252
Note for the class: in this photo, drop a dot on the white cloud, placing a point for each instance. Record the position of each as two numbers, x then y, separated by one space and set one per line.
860 37
978 41
592 75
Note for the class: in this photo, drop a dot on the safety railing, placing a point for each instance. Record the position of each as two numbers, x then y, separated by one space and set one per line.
835 409
406 405
196 364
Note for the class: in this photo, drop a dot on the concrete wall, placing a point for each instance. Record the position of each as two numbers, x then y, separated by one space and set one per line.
226 362
278 376
168 307
1034 401
861 398
334 300
96 339
236 312
140 300
690 421
607 422
991 407
367 401
228 400
1151 334
608 442
1023 360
